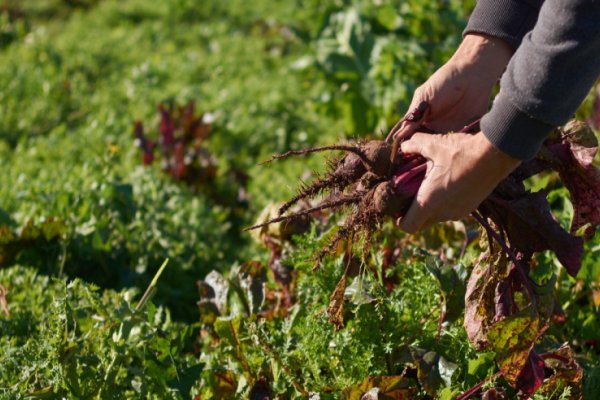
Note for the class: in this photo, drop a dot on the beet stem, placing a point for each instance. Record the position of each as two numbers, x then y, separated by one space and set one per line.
475 389
405 176
409 163
525 279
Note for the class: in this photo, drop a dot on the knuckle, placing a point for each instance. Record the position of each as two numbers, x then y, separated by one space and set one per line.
420 91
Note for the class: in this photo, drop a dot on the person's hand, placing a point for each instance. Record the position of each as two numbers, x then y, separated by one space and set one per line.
459 91
462 170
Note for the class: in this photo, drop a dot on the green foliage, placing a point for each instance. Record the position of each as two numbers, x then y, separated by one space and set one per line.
301 352
376 55
87 226
71 339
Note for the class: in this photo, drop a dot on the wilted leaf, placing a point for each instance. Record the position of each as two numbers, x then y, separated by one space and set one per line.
512 338
336 303
531 376
3 302
567 372
279 231
358 292
480 297
30 236
225 385
215 287
493 394
381 388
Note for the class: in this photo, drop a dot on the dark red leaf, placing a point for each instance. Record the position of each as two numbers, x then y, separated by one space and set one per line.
572 154
167 125
531 377
261 390
526 219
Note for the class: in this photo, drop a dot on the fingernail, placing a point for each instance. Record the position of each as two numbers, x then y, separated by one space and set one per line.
417 113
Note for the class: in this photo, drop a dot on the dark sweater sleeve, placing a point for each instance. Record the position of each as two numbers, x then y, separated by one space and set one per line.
509 20
547 78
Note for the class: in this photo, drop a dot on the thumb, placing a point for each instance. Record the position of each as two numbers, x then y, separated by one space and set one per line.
411 121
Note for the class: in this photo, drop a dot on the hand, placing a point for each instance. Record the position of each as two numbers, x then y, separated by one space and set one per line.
462 170
459 92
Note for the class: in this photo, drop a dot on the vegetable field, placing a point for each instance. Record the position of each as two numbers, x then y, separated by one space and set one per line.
197 202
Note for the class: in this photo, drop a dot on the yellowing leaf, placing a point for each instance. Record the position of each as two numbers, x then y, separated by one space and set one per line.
512 339
381 387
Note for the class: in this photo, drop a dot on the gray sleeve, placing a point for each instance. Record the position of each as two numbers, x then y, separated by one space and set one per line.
547 78
509 20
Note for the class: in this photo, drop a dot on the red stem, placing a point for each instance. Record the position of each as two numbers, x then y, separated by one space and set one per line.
507 250
562 359
475 389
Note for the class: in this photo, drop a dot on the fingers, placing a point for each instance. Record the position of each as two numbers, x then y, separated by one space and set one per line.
411 121
423 211
419 143
415 218
405 130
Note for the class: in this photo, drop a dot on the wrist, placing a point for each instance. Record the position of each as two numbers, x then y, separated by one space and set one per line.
486 56
502 162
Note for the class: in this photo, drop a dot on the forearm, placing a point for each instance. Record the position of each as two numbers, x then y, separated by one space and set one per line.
547 78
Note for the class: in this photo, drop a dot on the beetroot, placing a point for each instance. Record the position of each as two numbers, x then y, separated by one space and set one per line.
365 180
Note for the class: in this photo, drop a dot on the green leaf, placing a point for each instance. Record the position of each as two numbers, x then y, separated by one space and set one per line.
227 328
481 366
388 17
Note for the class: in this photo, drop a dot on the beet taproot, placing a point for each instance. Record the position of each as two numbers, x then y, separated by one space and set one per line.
373 179
364 180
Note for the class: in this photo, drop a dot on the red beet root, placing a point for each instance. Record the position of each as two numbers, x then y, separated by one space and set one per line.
365 180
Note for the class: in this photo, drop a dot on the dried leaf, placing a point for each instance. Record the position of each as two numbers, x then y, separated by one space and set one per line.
336 303
567 372
381 388
3 302
480 297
